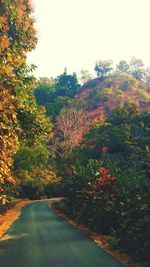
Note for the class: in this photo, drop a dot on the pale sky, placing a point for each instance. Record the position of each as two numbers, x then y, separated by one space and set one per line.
77 33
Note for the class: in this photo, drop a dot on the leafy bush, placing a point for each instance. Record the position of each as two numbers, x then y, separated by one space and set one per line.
134 210
39 183
28 158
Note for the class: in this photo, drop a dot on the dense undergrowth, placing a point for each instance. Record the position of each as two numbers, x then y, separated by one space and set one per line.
106 181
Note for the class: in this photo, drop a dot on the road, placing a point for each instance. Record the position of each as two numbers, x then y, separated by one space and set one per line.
41 238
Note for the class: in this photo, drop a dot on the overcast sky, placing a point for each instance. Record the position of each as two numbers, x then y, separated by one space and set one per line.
76 33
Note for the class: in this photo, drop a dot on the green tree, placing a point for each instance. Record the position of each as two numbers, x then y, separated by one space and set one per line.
103 68
51 96
45 91
67 83
29 158
54 94
123 67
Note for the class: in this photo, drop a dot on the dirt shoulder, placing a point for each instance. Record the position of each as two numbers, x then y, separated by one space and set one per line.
11 215
101 241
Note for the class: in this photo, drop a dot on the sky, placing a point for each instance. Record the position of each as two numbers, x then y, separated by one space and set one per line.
74 34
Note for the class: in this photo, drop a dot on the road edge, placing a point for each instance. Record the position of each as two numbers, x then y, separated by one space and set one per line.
122 257
11 215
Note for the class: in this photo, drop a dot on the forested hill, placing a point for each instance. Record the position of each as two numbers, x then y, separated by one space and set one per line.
128 83
74 108
101 97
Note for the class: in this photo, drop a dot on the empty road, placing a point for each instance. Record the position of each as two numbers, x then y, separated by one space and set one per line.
40 238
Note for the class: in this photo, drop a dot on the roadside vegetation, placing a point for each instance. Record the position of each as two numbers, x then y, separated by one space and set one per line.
89 143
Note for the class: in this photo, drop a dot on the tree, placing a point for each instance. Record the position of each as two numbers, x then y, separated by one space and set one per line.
45 91
35 127
85 76
68 83
29 158
54 94
122 67
51 96
137 68
147 76
103 68
71 124
17 37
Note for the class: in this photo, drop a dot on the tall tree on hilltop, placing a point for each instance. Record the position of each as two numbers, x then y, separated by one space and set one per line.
85 76
69 83
123 67
137 68
103 68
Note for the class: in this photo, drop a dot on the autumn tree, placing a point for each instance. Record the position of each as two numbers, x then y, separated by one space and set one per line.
70 126
17 37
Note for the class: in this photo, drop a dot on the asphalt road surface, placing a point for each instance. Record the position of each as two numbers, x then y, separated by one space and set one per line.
40 238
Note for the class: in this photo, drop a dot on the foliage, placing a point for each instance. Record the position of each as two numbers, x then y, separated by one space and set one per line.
103 165
35 126
28 158
100 200
100 97
68 83
137 68
21 120
54 94
85 76
134 207
32 189
40 182
103 68
106 180
122 67
45 94
17 37
70 125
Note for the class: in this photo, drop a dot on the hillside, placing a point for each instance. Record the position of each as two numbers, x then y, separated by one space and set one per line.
100 97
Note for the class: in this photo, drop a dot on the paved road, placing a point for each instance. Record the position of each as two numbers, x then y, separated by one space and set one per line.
40 238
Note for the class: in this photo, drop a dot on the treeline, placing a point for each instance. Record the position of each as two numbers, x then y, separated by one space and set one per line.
135 68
